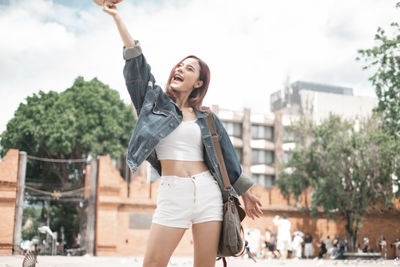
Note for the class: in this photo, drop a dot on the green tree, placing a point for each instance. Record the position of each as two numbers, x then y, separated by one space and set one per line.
87 119
30 222
384 60
64 215
350 168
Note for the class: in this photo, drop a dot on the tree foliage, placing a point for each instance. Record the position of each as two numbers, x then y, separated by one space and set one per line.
87 119
350 168
64 215
30 221
384 60
61 215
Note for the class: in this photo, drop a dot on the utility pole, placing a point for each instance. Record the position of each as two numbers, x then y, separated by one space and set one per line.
91 212
19 202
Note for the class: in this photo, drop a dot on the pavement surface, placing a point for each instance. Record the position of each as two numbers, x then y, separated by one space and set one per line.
88 261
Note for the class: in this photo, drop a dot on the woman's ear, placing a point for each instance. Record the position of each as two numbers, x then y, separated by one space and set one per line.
198 84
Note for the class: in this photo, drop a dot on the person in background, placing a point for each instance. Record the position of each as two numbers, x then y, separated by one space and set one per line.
297 245
382 247
322 248
269 243
335 249
341 248
365 247
328 246
396 246
284 237
308 246
253 238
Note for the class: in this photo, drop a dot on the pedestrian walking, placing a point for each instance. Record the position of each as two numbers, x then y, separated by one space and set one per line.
269 244
172 134
253 237
284 236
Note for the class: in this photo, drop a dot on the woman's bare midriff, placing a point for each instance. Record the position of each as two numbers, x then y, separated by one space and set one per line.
182 168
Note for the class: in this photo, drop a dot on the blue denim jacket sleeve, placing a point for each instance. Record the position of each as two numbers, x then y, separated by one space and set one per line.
137 74
239 180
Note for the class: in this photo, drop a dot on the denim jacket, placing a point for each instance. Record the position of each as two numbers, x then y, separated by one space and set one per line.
159 115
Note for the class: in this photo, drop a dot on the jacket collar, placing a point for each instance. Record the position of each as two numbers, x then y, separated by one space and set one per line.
200 114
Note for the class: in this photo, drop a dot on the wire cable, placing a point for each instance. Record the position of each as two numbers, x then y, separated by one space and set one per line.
58 160
55 194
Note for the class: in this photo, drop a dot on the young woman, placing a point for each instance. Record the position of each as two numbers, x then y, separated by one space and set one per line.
172 134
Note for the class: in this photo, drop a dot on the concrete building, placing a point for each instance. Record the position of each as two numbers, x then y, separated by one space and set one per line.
317 101
253 136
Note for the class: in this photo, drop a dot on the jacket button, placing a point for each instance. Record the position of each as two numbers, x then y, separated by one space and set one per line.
146 150
202 127
216 166
171 124
161 134
209 146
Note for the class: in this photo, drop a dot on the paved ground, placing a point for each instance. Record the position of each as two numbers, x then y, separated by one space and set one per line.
87 261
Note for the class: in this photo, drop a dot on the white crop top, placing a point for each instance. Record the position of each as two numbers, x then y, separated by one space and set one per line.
184 143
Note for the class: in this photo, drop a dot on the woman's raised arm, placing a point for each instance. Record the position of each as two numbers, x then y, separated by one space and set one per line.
123 31
137 72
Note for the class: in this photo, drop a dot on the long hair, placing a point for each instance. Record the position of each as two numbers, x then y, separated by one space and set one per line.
198 94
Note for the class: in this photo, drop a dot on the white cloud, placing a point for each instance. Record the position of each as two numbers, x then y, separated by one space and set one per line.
250 45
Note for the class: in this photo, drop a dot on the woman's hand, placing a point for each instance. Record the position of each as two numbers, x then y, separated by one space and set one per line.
251 205
110 8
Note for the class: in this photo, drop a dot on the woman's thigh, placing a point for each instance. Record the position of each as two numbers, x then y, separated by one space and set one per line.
161 244
206 238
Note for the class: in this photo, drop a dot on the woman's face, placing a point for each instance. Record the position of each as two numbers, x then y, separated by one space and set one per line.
186 76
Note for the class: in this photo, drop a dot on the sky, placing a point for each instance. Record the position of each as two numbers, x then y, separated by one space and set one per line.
251 46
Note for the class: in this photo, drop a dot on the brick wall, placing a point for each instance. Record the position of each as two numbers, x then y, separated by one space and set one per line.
115 206
8 193
375 223
114 236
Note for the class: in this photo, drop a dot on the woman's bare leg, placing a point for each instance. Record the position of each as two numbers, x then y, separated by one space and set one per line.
205 239
161 244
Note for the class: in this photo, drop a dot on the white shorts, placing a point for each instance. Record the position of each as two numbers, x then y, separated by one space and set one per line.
185 200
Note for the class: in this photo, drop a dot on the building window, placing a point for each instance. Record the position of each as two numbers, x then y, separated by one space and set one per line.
233 128
262 132
287 156
288 136
266 180
262 156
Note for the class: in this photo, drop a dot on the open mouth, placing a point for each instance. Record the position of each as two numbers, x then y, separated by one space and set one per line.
178 78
